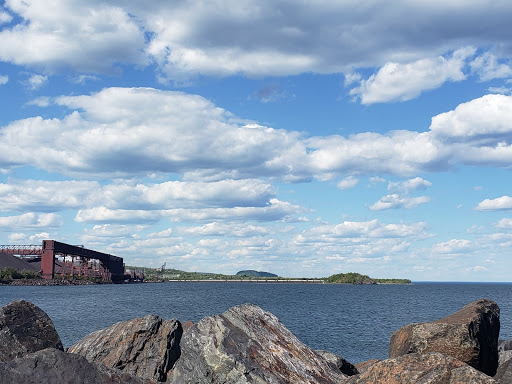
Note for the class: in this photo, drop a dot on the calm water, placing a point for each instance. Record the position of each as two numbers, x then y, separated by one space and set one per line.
354 321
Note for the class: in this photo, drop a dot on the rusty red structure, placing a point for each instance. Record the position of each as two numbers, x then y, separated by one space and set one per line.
70 260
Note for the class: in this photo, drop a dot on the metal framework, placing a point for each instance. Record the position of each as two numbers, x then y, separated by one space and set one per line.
70 260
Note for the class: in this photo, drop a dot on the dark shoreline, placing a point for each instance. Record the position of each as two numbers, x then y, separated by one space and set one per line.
49 282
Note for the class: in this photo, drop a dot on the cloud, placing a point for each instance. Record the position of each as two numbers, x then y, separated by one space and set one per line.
51 196
106 215
46 196
226 229
487 116
270 93
256 38
360 230
4 79
453 246
82 79
477 268
505 223
137 132
4 17
30 221
36 81
416 184
347 183
43 101
401 198
487 66
401 82
395 201
498 204
18 238
83 36
275 210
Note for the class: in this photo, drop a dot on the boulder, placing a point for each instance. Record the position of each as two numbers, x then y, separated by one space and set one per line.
145 347
470 335
504 373
428 368
248 345
25 328
52 366
339 362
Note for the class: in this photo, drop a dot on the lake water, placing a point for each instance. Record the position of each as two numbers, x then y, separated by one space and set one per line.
355 322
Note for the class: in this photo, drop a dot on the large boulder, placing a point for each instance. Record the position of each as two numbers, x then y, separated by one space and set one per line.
52 366
248 345
428 368
25 328
470 335
145 347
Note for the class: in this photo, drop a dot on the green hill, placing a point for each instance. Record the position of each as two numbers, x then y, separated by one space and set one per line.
252 273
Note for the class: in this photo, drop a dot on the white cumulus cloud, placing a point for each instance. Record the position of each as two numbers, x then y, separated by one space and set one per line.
498 204
396 201
401 82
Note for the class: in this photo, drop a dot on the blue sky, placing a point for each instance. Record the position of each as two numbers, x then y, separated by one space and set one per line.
301 138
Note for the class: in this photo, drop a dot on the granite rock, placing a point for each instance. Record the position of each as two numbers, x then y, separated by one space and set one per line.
470 335
145 347
428 368
248 345
53 366
25 328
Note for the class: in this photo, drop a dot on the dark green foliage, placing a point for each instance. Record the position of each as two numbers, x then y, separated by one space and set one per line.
13 273
357 278
252 273
350 278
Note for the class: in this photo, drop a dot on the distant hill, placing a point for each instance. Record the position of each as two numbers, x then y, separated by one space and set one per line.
251 273
350 278
357 278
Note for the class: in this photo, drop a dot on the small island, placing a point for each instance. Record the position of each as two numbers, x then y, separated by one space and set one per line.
358 279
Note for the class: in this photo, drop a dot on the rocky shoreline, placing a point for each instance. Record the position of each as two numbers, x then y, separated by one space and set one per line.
246 344
49 282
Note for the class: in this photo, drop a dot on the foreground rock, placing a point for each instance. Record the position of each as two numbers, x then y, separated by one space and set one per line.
429 368
469 335
25 328
145 347
52 366
248 345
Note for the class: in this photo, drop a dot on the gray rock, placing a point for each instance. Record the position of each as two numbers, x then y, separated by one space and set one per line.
428 368
52 366
504 345
145 347
339 362
248 345
470 335
25 328
504 373
504 356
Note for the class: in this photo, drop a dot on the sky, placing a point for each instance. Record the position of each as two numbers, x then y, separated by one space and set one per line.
299 138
